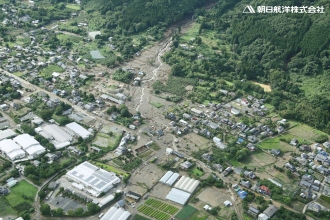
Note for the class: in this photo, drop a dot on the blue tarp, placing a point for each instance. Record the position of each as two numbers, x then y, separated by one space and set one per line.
242 194
241 140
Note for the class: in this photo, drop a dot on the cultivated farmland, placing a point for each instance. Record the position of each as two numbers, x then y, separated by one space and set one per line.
186 212
157 209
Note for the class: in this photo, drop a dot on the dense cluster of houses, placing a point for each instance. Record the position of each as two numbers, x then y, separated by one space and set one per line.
219 116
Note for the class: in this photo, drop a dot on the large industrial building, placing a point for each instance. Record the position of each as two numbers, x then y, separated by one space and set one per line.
56 135
12 150
79 130
116 214
94 179
29 144
8 133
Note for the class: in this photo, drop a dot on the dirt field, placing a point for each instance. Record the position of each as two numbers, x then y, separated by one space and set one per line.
149 175
264 86
213 196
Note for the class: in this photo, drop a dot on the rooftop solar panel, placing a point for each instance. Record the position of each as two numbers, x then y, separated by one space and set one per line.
95 181
90 166
100 185
89 178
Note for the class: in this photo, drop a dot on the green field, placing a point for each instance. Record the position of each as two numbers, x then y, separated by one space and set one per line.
197 172
111 169
70 37
156 104
3 1
157 209
153 213
106 142
50 69
5 208
22 189
140 217
73 6
306 132
186 212
271 143
199 216
19 74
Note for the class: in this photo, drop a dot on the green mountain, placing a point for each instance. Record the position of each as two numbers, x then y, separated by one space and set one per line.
138 15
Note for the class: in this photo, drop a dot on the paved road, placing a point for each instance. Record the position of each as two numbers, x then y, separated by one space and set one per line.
36 89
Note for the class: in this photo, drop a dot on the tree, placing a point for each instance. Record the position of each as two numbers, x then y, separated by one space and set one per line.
30 169
45 209
14 173
92 208
113 108
59 212
46 114
42 194
79 211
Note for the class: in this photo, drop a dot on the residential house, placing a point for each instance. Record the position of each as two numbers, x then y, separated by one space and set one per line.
207 156
186 116
186 165
219 168
197 112
275 152
264 190
326 144
249 174
270 211
307 194
323 170
3 191
183 122
314 207
305 148
294 142
171 116
280 129
227 171
246 184
252 139
290 167
253 211
320 158
238 170
251 147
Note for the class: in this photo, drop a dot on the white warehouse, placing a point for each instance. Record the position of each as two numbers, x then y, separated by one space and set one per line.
116 214
29 144
187 184
56 135
79 130
166 177
94 179
11 149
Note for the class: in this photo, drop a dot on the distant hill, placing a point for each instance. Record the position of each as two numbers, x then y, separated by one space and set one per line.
138 15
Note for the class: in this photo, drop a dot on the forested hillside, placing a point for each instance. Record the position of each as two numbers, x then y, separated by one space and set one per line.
138 15
288 51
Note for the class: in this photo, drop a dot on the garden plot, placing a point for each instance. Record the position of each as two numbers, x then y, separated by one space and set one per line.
158 210
21 196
